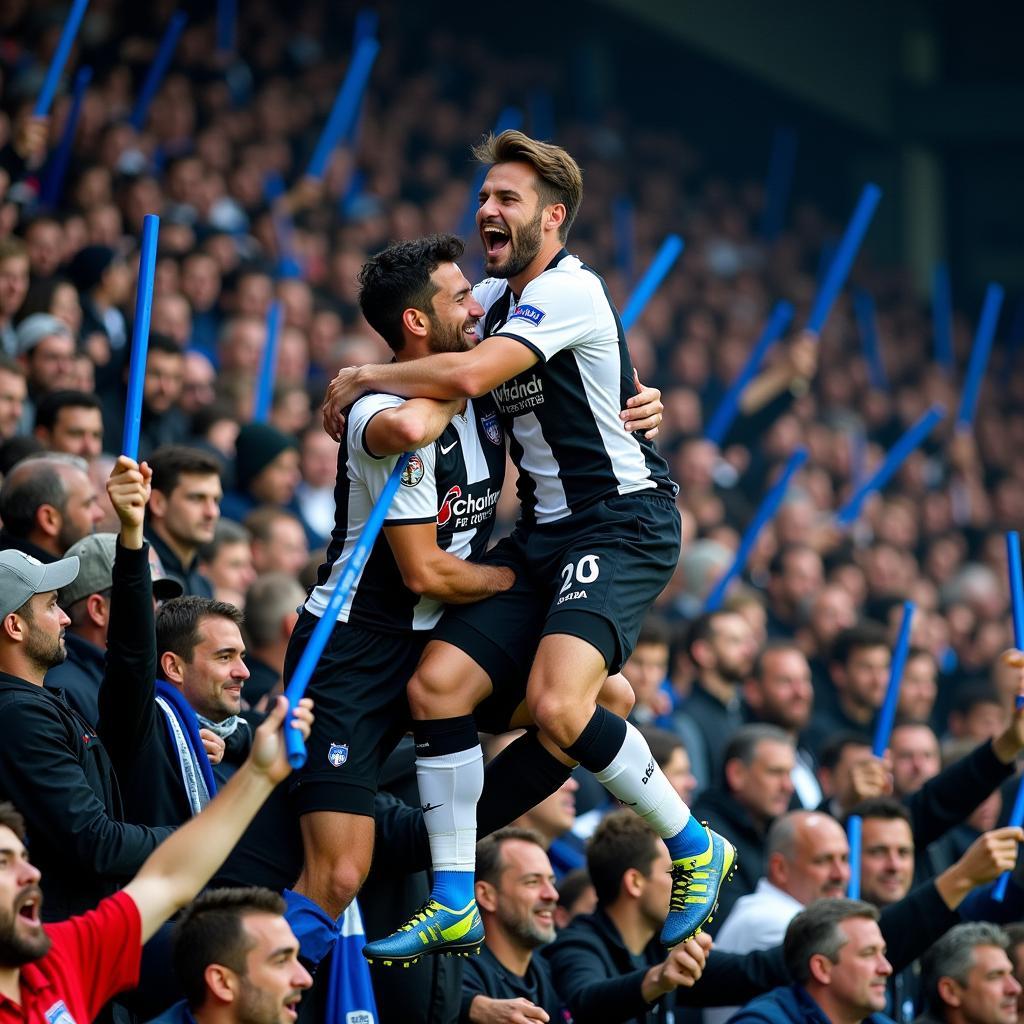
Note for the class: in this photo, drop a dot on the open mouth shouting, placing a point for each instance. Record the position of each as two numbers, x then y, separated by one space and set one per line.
28 905
496 238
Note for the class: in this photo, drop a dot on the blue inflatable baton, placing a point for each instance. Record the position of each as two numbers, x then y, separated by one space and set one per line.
60 57
58 164
846 253
979 356
887 715
157 70
140 336
853 834
294 742
346 106
268 364
662 263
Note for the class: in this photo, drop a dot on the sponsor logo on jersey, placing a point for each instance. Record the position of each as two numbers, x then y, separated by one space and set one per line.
337 755
531 314
466 511
492 428
516 396
413 472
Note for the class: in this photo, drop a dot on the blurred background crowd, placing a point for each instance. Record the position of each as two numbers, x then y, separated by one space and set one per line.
762 708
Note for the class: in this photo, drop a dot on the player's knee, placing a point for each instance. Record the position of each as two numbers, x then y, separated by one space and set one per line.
617 695
339 881
562 718
427 689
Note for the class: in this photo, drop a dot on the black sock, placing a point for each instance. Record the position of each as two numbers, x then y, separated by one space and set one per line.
445 736
600 742
522 775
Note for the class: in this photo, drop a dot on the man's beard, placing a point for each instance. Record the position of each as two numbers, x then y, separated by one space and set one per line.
256 1006
447 337
526 930
43 650
17 950
521 250
69 534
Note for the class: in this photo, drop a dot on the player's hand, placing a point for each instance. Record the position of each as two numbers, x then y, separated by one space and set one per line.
341 393
869 778
268 755
484 1010
213 745
129 488
682 968
802 356
30 135
990 855
643 411
1009 678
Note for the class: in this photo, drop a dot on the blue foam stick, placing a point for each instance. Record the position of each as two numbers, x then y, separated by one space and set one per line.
942 317
268 364
625 235
60 57
227 16
896 456
718 428
140 336
664 260
342 118
1016 587
1016 821
764 514
867 322
839 268
779 182
366 26
887 715
157 70
58 165
508 119
979 356
318 639
853 833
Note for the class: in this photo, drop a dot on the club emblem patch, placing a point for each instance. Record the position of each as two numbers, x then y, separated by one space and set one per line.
413 472
492 428
338 754
59 1014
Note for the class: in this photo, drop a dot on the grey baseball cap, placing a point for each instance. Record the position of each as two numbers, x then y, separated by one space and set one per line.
34 328
96 554
21 576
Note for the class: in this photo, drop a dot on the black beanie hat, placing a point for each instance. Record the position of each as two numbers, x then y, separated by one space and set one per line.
257 446
89 265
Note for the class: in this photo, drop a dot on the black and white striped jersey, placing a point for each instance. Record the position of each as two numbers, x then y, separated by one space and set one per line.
454 482
562 414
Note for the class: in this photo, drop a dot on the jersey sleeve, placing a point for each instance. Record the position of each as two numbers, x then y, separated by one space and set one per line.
101 948
359 417
555 311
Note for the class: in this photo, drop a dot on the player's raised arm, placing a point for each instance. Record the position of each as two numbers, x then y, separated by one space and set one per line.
411 425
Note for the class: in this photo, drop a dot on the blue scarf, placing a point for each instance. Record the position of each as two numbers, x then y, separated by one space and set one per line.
189 724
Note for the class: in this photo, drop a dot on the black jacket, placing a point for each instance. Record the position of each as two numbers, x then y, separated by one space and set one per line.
729 818
484 975
600 981
191 579
79 677
9 542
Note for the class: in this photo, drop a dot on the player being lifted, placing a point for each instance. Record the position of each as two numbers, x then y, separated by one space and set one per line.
597 542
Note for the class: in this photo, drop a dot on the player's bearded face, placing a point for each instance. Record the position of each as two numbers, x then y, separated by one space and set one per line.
448 336
508 258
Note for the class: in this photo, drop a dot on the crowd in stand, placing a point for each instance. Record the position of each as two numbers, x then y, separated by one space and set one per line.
132 756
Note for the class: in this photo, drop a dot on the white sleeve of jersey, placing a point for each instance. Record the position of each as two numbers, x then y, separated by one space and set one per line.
416 498
555 311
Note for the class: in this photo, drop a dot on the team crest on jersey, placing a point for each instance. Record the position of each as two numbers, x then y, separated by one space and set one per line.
59 1014
338 754
358 1017
413 472
492 428
529 313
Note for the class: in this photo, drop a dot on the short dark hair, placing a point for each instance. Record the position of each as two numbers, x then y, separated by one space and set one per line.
177 623
884 808
489 861
32 482
260 521
171 462
622 841
857 638
832 751
773 645
747 738
211 931
166 344
654 630
816 930
572 886
777 565
967 697
952 956
561 180
49 409
398 278
703 628
10 817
